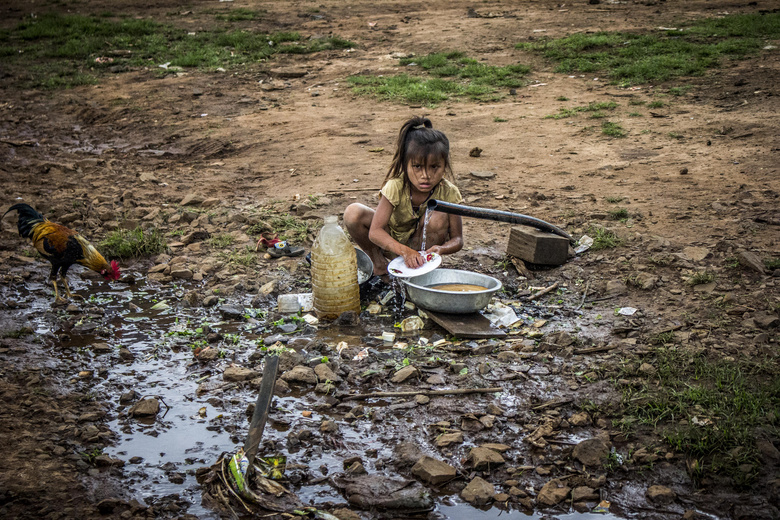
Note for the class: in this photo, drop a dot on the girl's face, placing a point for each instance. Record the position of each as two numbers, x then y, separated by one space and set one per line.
424 174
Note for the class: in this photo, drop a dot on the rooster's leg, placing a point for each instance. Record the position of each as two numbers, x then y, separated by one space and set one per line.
67 289
57 299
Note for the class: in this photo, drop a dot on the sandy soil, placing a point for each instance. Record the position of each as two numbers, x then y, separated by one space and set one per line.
249 137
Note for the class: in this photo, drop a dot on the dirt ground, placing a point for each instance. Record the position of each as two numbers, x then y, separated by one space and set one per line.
290 128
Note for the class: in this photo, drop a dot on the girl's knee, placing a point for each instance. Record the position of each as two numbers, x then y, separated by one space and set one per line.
353 213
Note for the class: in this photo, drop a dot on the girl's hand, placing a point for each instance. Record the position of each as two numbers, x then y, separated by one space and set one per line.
413 259
435 249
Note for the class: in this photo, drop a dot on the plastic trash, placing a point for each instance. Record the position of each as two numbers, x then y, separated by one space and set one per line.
360 356
288 303
583 244
627 311
502 315
412 323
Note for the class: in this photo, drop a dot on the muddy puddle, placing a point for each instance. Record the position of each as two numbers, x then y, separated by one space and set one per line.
152 345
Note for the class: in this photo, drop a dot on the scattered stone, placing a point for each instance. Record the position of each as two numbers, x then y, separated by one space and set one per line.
592 452
768 452
356 468
404 374
766 321
478 492
329 427
207 355
128 397
422 399
145 408
582 493
231 312
475 152
234 373
552 493
647 369
436 379
483 175
447 439
191 199
181 273
407 453
324 373
483 458
696 254
500 448
300 374
661 495
507 356
433 471
101 348
751 261
616 288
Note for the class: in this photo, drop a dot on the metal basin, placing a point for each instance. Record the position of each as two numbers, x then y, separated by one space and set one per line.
419 291
365 266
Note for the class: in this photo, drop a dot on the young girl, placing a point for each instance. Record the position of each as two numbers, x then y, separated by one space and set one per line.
416 175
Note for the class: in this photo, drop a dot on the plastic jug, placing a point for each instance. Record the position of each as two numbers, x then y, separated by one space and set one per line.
334 272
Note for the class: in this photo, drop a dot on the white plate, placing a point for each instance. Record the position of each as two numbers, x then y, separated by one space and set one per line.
398 268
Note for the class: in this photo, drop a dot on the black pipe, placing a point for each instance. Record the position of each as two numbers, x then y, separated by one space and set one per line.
494 214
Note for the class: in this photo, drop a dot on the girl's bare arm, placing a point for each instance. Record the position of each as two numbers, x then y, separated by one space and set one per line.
455 243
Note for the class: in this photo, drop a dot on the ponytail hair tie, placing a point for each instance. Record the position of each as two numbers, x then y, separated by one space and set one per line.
418 127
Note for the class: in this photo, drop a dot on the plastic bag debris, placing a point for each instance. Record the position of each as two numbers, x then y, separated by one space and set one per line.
583 244
341 347
360 356
502 315
412 323
627 311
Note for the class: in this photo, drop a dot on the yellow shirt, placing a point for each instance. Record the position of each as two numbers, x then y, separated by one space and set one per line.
403 220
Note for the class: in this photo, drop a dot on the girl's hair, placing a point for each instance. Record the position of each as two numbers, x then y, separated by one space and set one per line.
418 140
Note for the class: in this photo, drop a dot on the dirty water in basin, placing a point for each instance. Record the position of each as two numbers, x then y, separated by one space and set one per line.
202 416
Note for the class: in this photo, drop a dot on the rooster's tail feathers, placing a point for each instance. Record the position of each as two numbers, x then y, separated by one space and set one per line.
28 218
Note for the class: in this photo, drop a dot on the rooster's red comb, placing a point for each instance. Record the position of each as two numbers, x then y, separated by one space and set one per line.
115 269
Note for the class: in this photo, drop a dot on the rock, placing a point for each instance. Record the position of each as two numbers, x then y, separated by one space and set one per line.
191 199
356 468
483 175
769 454
478 492
181 273
231 312
766 321
499 448
145 408
647 369
581 493
345 514
234 373
329 427
645 281
751 261
446 439
507 356
616 288
300 374
475 152
436 379
195 236
487 420
696 254
406 453
482 459
591 452
660 495
128 397
552 493
101 348
324 373
433 471
404 374
422 399
207 354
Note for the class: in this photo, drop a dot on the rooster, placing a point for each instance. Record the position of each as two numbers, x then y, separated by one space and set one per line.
61 246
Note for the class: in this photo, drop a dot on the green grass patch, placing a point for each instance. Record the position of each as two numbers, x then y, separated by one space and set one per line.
239 15
708 409
772 263
593 108
499 120
124 243
220 241
618 214
603 239
288 227
612 129
629 58
701 278
70 50
448 75
635 114
613 199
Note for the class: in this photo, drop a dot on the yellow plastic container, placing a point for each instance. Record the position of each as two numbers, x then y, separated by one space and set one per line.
334 272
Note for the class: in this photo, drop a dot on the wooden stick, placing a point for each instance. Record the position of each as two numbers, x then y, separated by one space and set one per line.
584 294
543 292
456 391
